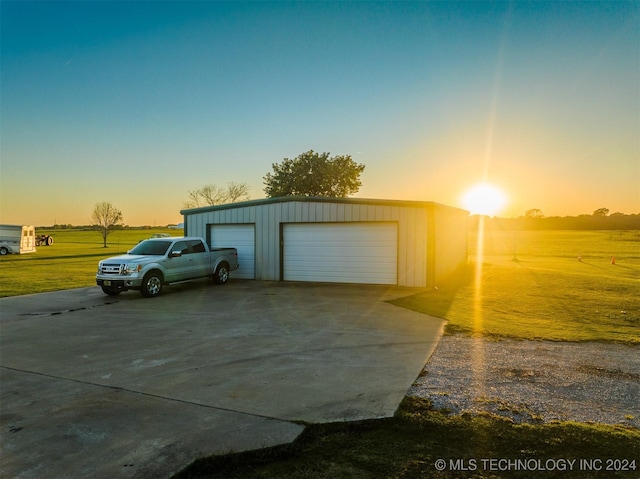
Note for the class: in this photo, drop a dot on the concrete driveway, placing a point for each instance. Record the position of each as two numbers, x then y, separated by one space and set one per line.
123 386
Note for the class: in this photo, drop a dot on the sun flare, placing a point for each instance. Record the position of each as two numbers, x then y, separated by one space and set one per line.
484 199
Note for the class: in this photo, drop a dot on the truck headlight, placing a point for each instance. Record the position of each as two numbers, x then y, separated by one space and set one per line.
99 267
132 268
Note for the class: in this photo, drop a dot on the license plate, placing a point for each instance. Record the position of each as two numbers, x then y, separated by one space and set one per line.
107 283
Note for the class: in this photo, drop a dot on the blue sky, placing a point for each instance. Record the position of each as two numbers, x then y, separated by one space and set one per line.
136 103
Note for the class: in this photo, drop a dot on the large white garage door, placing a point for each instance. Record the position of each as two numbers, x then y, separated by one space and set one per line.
341 252
241 237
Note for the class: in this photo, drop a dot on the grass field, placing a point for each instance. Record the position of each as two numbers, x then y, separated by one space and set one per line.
544 291
71 262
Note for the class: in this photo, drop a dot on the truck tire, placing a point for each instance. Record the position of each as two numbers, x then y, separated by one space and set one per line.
4 251
48 241
221 276
111 291
151 284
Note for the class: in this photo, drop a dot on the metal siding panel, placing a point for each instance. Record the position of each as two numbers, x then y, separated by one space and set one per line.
326 212
333 216
275 245
421 278
307 212
292 211
263 227
410 247
259 243
415 245
262 243
298 212
371 213
355 213
272 254
451 241
348 212
402 247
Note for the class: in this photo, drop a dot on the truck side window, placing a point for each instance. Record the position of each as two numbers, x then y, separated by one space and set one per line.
181 246
198 246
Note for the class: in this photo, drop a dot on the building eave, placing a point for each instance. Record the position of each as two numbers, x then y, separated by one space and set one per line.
317 199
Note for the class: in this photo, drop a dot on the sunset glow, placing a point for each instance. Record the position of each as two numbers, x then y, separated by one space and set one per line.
538 98
484 199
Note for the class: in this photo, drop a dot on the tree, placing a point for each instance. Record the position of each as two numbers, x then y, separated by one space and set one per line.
106 217
534 213
210 195
314 174
601 212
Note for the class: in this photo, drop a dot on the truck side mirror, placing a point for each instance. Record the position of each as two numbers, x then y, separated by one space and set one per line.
175 254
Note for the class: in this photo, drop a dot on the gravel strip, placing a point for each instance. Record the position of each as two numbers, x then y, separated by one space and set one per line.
534 381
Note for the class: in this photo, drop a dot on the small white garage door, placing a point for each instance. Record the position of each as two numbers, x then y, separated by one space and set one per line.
341 252
241 237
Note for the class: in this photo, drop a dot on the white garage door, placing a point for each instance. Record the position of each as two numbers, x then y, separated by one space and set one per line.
241 237
341 252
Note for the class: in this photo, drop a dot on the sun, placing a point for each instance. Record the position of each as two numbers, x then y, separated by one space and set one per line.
484 199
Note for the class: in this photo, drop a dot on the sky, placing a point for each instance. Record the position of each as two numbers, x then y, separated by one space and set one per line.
137 103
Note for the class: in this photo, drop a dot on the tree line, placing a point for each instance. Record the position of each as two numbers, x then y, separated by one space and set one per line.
615 221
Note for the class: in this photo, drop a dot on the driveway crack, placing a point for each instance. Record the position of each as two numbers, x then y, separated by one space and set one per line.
146 394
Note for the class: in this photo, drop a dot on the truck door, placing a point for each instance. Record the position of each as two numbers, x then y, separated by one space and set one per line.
178 266
199 259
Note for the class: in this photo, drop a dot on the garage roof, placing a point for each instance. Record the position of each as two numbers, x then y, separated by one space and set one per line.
315 199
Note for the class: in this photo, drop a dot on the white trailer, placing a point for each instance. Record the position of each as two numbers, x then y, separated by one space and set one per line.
17 239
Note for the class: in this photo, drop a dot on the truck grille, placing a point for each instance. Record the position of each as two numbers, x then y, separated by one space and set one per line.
111 268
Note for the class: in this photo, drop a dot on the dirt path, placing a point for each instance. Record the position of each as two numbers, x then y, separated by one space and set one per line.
534 381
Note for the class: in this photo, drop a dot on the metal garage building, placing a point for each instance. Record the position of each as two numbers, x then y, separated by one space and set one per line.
345 240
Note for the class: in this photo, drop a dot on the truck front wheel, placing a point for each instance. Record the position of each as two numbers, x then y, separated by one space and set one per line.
221 276
4 251
151 284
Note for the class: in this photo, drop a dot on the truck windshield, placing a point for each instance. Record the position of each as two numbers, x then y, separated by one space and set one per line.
153 248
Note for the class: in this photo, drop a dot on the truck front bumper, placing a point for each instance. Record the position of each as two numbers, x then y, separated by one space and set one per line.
119 284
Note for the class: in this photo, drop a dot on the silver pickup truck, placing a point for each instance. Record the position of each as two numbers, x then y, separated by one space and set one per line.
159 261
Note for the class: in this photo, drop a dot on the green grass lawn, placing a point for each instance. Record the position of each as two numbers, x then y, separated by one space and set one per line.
544 292
71 262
